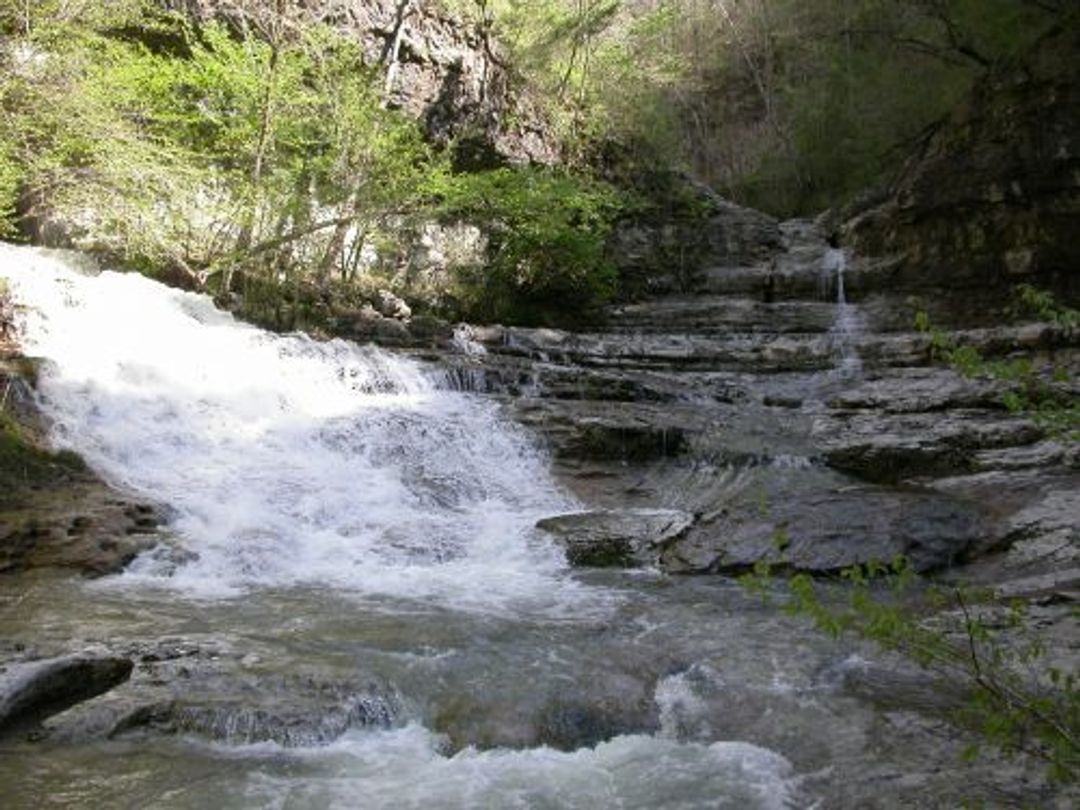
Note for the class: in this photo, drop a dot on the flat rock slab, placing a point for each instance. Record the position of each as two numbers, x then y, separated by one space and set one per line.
217 694
889 448
826 532
920 390
623 538
34 690
618 431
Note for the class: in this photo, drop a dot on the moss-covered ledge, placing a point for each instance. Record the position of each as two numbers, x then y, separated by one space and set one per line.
54 511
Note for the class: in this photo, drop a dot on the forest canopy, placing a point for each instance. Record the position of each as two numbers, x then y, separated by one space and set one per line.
252 148
785 105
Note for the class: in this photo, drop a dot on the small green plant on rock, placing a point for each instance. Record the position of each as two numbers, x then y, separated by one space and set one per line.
1043 305
1042 395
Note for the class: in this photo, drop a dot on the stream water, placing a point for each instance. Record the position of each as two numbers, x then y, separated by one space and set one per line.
847 326
346 518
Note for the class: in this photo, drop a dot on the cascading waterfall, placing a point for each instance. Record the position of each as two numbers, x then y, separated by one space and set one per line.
847 325
307 475
289 461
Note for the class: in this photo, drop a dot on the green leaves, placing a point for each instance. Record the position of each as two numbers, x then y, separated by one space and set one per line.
547 236
1018 700
1043 305
199 153
1044 396
265 152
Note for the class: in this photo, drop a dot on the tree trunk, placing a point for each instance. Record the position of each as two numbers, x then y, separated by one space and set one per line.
393 52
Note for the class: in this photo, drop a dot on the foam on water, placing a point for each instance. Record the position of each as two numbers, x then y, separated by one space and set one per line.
289 461
405 768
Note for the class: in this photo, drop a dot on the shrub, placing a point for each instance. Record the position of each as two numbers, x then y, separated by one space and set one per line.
547 233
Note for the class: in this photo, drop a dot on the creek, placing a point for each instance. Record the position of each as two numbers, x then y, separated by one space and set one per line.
352 606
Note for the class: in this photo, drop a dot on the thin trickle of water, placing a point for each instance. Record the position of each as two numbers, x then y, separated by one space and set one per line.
847 325
289 461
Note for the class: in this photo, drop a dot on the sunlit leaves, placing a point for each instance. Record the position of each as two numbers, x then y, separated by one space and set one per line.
1018 700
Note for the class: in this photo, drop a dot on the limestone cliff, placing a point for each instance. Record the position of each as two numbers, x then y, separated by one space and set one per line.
992 198
445 71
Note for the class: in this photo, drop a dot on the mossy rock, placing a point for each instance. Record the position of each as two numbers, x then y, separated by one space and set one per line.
25 466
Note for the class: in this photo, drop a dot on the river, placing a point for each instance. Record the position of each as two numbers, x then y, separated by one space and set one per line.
353 608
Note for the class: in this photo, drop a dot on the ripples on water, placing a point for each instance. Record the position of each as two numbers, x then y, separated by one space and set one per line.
293 464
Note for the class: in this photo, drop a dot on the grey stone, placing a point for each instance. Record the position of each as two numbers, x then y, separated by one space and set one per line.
890 448
623 538
215 692
32 691
824 532
391 306
614 431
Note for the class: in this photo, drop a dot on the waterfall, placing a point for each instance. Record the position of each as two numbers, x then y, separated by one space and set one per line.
847 325
286 461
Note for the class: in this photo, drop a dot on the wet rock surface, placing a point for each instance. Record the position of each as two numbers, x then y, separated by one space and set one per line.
84 526
32 691
801 430
617 538
830 531
208 690
54 512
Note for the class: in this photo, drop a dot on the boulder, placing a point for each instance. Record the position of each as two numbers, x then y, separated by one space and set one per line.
622 538
34 690
391 306
214 692
823 532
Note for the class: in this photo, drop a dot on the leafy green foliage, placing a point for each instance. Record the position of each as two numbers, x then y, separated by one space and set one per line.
267 164
1018 700
10 175
548 232
1042 305
211 155
1043 395
785 105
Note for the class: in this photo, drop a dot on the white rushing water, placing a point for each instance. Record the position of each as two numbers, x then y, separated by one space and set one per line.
293 464
403 769
289 461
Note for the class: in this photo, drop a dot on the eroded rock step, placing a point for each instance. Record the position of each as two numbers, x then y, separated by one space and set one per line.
757 353
705 315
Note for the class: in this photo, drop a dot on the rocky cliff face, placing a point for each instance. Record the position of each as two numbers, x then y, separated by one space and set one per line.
772 419
992 199
445 72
